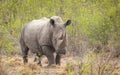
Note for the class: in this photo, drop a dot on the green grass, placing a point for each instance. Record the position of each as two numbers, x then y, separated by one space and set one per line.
98 21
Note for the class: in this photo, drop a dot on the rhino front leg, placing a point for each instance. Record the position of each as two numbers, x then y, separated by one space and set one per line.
48 52
50 58
58 58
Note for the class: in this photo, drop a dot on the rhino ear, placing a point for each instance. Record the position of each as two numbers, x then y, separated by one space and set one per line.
68 23
52 22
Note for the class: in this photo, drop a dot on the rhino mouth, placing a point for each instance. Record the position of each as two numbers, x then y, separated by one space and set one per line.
61 51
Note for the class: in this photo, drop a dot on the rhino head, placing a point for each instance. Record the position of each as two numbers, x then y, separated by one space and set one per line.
59 39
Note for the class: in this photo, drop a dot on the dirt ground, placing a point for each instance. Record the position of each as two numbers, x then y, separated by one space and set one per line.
13 65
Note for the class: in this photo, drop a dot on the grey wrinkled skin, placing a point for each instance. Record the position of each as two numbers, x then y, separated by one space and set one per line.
44 37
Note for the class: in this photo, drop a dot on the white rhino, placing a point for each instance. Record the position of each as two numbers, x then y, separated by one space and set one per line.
44 37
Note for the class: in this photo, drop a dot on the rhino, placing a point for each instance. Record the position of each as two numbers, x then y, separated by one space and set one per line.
45 36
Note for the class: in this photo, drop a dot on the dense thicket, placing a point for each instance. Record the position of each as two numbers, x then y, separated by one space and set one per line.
96 22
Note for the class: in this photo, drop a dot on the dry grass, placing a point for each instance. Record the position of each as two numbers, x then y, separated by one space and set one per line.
12 65
93 65
15 66
2 70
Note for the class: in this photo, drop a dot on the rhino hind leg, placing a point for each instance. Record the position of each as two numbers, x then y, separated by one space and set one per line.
40 58
25 54
58 57
39 61
35 59
25 50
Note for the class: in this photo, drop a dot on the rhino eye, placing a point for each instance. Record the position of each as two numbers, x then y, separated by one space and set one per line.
61 37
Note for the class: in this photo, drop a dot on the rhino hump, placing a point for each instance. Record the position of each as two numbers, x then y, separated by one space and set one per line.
57 19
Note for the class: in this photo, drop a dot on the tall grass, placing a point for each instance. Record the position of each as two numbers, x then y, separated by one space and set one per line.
93 22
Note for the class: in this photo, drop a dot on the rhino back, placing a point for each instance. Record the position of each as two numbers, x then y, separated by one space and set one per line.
33 32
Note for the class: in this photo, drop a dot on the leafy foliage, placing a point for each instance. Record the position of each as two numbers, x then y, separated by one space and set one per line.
98 21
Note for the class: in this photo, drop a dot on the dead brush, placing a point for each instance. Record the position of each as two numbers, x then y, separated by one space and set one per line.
100 64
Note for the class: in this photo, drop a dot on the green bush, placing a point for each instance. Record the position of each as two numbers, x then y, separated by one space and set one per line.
97 20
